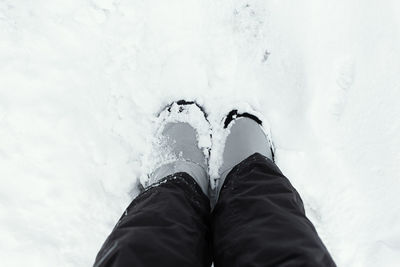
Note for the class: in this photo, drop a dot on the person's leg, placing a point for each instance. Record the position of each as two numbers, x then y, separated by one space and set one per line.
259 219
169 223
166 225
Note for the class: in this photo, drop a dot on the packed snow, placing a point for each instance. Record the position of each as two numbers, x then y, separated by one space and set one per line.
81 83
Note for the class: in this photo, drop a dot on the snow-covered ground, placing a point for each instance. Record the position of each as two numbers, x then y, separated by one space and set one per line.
81 82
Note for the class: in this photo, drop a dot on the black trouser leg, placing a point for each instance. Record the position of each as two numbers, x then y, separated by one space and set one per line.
167 225
259 220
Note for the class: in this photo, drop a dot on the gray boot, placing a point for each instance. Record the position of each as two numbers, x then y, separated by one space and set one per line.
178 141
246 137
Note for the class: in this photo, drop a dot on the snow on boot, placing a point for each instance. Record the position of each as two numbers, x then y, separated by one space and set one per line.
182 143
246 137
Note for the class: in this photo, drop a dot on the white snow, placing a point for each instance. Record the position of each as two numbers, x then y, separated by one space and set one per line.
81 83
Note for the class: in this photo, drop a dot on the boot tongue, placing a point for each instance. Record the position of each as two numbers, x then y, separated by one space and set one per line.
182 141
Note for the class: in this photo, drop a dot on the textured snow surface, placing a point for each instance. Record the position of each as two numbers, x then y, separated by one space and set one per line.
82 80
